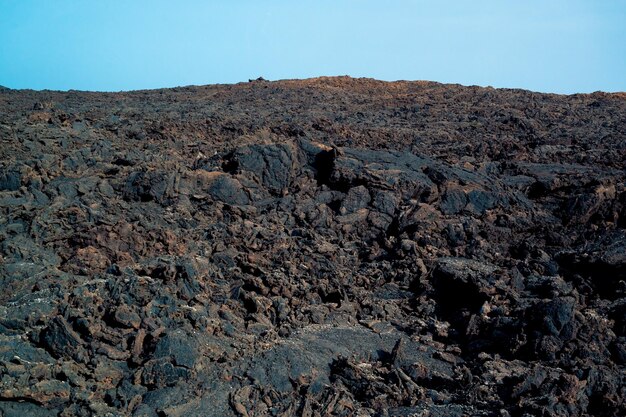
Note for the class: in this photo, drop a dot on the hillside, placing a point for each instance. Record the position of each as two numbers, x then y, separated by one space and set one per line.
331 246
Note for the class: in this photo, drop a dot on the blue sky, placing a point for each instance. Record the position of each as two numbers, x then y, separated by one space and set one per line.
543 45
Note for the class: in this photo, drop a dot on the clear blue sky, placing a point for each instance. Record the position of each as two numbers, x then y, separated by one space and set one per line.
562 46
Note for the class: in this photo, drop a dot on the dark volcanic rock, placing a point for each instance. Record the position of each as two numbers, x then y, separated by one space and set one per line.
60 339
325 247
272 165
10 180
228 190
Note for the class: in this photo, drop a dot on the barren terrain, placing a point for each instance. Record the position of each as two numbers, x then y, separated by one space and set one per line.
322 247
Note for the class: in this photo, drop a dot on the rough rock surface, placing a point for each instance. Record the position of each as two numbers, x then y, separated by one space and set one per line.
321 247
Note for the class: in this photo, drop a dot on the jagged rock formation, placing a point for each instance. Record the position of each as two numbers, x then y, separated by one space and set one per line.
319 247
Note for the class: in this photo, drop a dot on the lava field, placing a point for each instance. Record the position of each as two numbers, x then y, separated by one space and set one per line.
322 247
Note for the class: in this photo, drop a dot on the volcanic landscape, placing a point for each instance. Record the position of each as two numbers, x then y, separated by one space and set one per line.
321 247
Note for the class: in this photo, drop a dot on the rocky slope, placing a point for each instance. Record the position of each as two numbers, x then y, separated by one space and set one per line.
325 247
